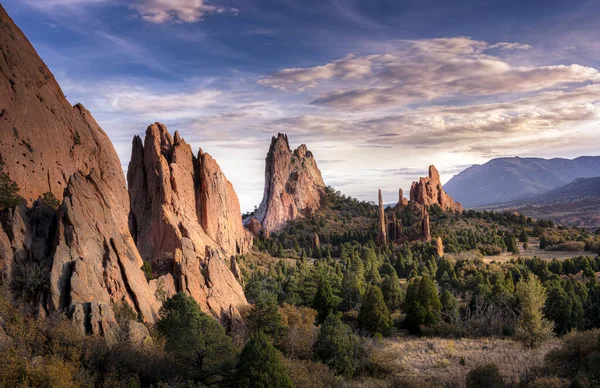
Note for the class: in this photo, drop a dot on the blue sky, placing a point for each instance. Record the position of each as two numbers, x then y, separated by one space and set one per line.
378 90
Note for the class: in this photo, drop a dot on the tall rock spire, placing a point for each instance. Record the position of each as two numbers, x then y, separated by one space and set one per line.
381 222
425 226
293 185
186 220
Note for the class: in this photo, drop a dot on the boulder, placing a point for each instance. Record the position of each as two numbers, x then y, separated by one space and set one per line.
293 185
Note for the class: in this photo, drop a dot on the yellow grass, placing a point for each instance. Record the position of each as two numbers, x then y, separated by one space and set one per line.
439 358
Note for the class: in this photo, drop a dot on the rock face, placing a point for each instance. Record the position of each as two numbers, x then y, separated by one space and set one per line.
394 228
381 223
82 253
186 219
402 202
293 185
315 241
43 139
428 191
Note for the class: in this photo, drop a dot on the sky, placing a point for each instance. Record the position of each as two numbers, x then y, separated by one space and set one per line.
377 89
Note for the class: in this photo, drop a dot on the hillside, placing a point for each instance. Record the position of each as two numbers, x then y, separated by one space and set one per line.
509 179
575 204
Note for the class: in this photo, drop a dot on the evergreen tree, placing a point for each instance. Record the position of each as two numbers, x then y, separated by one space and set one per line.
374 315
335 346
9 190
422 304
325 302
392 292
265 317
532 327
260 367
200 348
450 306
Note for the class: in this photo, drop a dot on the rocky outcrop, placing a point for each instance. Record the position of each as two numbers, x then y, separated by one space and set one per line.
425 225
186 219
254 226
83 252
439 245
315 242
428 191
402 202
381 223
394 228
293 185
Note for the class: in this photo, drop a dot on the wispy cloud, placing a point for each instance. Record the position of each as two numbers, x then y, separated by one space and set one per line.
178 11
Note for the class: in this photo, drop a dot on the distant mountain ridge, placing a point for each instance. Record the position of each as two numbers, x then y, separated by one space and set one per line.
575 204
505 180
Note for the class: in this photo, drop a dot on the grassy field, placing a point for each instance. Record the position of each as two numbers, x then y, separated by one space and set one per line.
534 250
440 359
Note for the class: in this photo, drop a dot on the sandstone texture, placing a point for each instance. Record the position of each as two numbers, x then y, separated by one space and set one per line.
428 191
186 220
439 244
43 139
402 202
81 257
293 185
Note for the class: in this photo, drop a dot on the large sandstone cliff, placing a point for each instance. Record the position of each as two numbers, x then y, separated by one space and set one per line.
81 256
428 191
293 185
186 219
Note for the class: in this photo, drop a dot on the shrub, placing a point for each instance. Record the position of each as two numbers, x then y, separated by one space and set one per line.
9 190
147 268
485 376
50 200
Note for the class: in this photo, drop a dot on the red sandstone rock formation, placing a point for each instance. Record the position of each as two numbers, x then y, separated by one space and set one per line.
186 219
402 202
425 226
394 228
316 242
439 244
428 191
47 145
381 223
293 185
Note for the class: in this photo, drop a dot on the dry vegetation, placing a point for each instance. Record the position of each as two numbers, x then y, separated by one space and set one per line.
439 360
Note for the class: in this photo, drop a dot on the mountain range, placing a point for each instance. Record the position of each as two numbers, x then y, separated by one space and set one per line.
504 180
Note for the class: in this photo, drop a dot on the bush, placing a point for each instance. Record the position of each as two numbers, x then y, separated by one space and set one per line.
485 376
50 200
9 190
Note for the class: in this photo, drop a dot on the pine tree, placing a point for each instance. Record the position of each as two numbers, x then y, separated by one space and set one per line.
374 315
265 317
392 292
532 327
260 367
325 302
422 304
198 343
335 346
9 190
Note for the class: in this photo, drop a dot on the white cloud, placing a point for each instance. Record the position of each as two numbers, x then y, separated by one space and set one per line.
178 11
423 71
